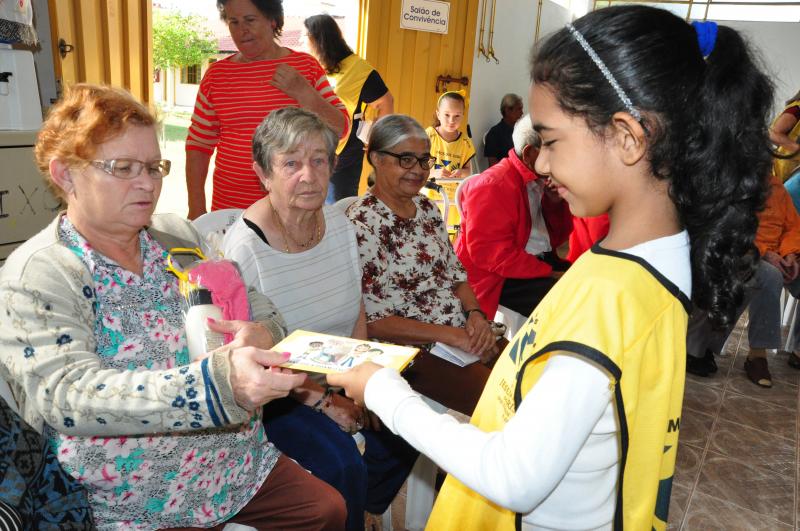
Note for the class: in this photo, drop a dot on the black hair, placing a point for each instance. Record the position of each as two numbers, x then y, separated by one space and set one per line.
455 96
327 41
271 9
706 125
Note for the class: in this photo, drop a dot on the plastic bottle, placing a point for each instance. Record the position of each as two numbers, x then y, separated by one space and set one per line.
198 336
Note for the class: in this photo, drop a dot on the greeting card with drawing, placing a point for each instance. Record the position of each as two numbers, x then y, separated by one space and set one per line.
324 353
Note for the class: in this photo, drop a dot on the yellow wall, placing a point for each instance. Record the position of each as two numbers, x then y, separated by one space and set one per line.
112 42
410 61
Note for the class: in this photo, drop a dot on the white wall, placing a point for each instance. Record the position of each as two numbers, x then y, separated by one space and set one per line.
515 25
514 31
778 43
185 94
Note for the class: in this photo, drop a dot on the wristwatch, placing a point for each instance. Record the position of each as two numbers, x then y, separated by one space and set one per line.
478 310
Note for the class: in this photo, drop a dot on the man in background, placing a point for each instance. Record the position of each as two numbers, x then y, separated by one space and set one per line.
511 225
498 140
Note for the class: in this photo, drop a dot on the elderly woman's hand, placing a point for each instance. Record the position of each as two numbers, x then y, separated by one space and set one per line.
256 377
291 82
347 414
245 333
481 336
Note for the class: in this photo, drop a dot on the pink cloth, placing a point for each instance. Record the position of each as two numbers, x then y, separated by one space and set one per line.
228 291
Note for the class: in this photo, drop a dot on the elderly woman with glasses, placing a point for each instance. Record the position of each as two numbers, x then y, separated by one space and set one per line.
415 289
303 255
92 340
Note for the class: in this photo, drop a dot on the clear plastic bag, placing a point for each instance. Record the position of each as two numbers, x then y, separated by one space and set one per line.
211 288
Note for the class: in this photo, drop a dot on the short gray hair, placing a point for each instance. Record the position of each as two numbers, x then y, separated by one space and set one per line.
525 135
508 101
392 129
283 130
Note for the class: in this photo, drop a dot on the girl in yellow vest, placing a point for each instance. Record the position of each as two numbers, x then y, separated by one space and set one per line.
361 89
641 116
452 150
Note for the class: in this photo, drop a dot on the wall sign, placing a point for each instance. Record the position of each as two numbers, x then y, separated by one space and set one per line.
425 15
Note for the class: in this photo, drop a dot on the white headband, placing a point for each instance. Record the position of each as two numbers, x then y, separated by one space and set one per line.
606 73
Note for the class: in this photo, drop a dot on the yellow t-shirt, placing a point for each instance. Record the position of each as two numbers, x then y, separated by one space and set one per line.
451 155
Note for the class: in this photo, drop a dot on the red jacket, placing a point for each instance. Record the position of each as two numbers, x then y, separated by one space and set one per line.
585 233
496 225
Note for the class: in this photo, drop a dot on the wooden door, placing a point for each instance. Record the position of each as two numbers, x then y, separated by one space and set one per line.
106 41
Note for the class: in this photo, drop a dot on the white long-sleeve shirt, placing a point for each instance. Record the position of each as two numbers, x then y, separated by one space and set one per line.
556 460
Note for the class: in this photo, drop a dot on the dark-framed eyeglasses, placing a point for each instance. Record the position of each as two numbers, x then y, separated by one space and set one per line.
407 160
132 168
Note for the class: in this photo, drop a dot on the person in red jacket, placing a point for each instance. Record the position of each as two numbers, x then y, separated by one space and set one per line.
585 233
511 224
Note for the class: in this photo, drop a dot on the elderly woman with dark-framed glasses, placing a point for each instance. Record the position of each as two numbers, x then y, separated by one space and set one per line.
415 289
92 341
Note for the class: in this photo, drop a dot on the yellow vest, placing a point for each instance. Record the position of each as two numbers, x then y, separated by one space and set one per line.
347 84
784 168
617 312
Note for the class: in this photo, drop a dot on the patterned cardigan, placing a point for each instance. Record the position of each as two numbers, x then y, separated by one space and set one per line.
48 349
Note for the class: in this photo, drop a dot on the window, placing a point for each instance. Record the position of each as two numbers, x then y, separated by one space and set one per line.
190 75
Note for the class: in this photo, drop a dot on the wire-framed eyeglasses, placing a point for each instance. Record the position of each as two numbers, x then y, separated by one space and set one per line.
132 168
407 160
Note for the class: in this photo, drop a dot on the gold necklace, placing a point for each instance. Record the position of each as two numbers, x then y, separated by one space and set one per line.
315 235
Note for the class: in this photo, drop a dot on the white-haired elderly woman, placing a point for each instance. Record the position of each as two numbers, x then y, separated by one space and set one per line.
415 289
303 256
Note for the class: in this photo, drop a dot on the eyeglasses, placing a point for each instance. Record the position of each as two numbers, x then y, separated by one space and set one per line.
407 161
132 168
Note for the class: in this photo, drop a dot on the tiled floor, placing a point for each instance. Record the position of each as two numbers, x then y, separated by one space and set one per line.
738 455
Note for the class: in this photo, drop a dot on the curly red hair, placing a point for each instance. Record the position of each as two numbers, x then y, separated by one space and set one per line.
85 117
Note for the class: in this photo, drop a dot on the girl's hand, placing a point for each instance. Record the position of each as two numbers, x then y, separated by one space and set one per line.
290 81
245 333
355 380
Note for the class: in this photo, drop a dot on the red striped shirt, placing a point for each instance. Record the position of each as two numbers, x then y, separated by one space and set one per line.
232 101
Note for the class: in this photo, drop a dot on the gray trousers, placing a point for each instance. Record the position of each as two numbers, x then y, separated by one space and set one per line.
763 296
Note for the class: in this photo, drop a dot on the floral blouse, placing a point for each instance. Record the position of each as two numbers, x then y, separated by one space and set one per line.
409 268
195 478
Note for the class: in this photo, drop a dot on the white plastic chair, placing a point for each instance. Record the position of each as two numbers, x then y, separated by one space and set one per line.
513 320
459 192
344 203
445 200
212 226
789 311
420 489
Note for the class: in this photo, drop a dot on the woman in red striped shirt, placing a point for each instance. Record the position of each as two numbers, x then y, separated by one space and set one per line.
236 94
